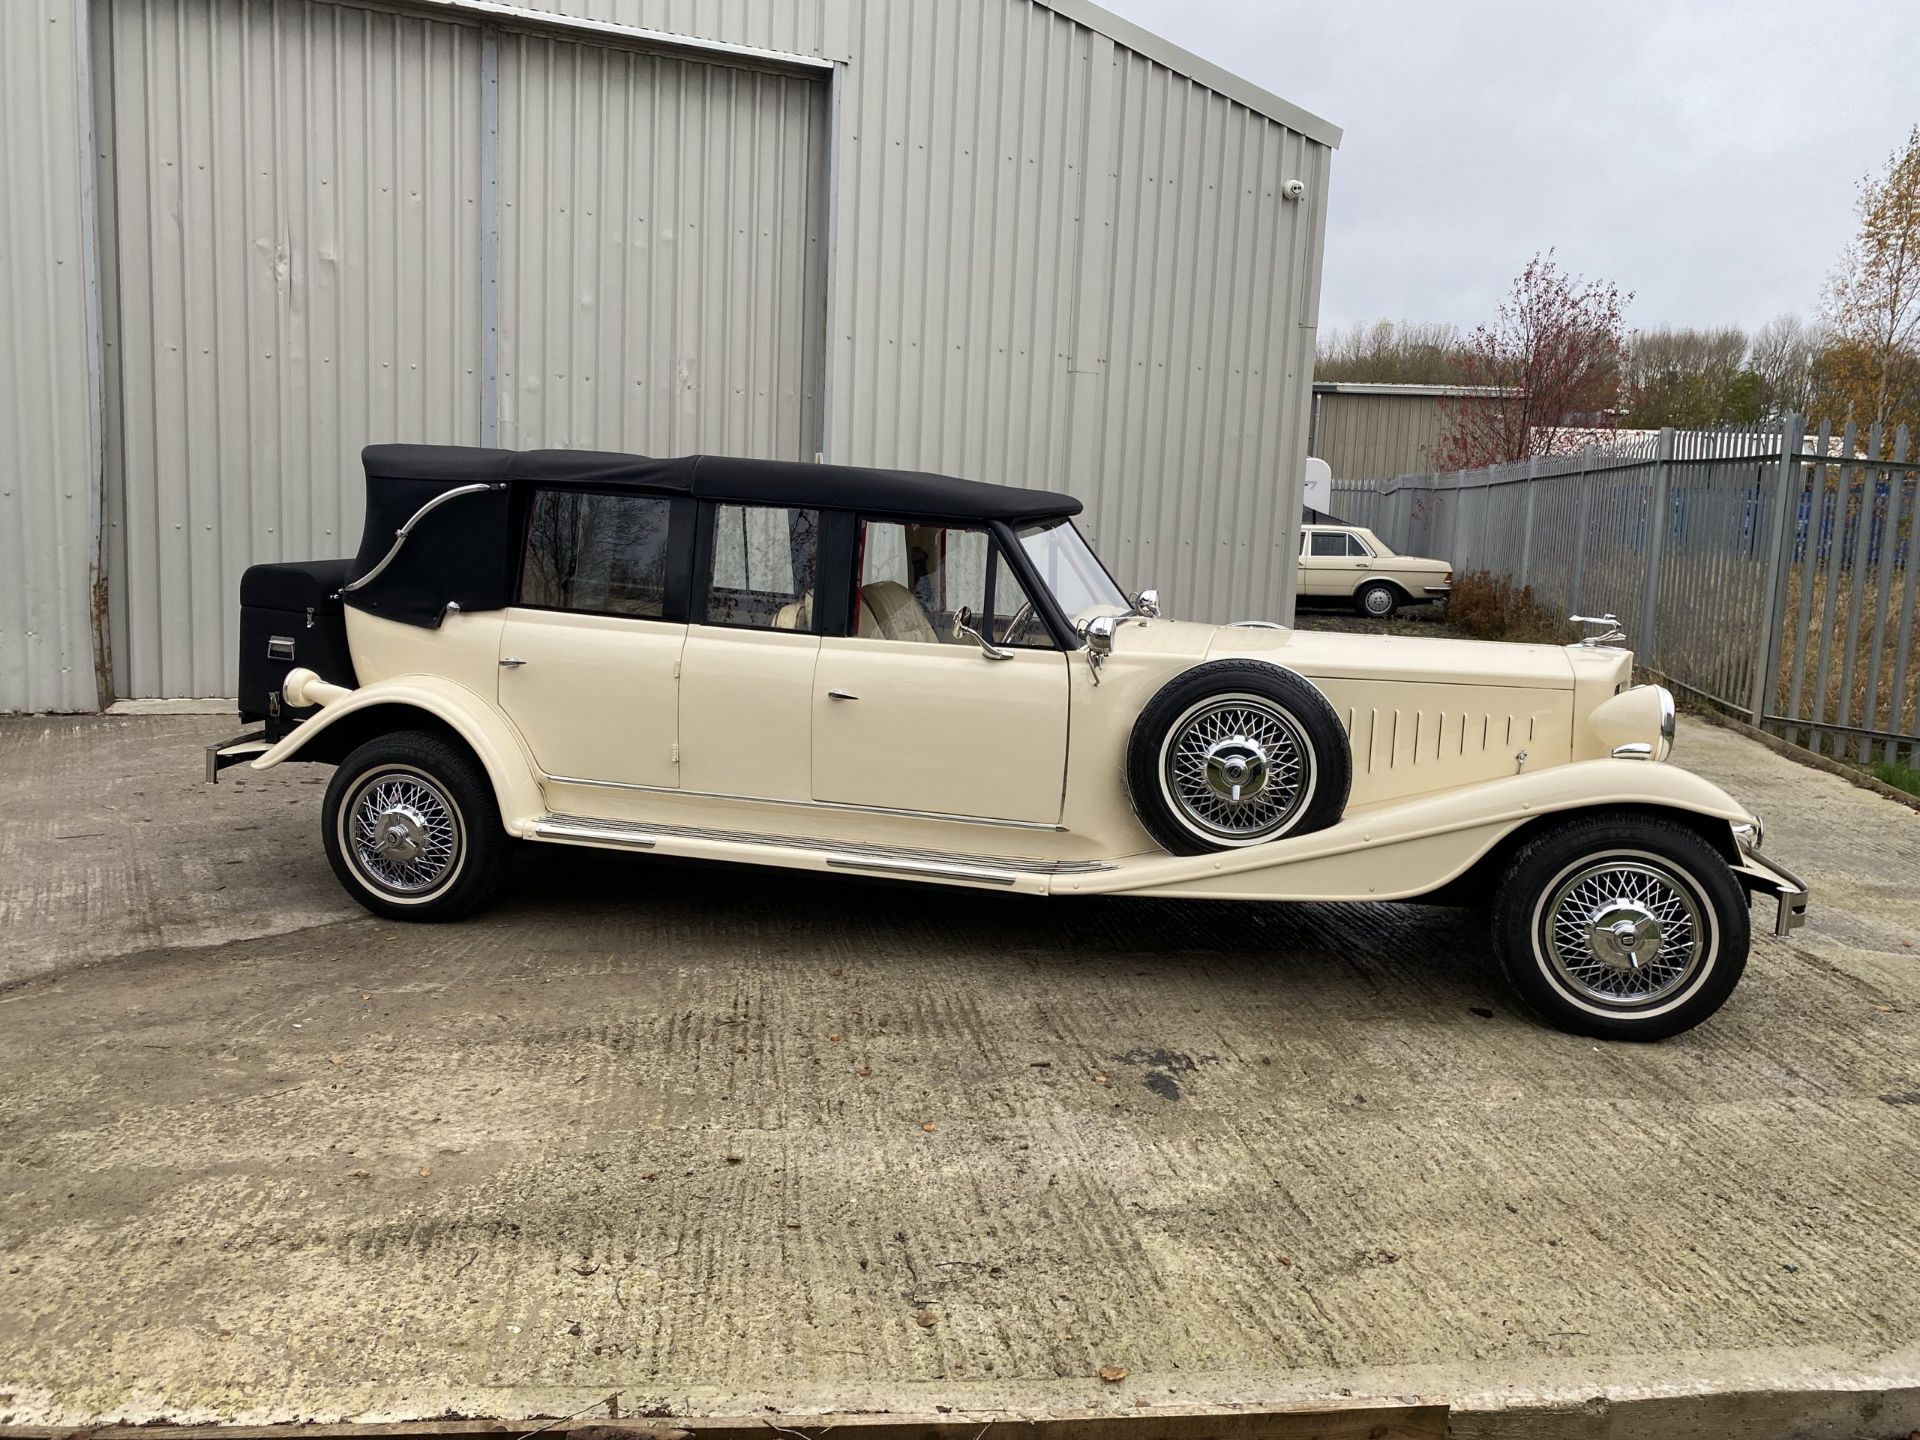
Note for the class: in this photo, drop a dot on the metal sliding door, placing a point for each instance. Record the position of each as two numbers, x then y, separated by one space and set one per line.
328 224
662 232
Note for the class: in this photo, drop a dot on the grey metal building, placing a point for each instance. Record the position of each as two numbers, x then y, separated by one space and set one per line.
1375 432
1007 239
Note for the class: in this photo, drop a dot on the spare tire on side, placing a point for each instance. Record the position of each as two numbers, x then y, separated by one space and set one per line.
1235 753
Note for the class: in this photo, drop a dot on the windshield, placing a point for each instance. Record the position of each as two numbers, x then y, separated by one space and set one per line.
1069 568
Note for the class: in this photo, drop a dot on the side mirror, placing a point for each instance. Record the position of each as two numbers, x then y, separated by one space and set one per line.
1147 603
963 630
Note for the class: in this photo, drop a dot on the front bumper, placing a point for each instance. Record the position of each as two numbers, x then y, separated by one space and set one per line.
1763 875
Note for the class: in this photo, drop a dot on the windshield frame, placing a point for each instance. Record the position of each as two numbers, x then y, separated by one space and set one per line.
1079 556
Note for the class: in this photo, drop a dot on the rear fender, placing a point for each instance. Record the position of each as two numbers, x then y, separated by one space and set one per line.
492 739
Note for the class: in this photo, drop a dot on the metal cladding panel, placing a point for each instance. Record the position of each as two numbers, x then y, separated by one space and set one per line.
662 223
48 445
290 260
1060 263
1376 437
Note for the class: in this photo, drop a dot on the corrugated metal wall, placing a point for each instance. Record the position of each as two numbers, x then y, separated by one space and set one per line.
292 250
662 224
49 527
1062 264
1055 261
1375 437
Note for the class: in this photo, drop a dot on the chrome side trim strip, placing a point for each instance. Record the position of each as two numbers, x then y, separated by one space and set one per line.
1040 825
839 852
600 832
887 866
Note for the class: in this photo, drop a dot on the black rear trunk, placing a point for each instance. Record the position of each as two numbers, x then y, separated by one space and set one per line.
290 616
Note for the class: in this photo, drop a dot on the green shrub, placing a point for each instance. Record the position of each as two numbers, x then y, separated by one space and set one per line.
1898 776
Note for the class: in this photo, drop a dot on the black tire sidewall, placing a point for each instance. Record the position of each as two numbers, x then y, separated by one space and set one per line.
1303 705
1541 865
1380 587
454 771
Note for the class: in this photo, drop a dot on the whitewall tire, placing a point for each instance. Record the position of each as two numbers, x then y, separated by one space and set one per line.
1622 926
411 828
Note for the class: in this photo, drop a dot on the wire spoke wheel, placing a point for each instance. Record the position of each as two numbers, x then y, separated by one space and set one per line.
402 832
1623 931
1237 768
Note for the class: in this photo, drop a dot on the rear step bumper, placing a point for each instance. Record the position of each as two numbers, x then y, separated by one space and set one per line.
237 751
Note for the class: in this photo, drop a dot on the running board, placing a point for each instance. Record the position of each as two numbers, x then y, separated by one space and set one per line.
836 854
593 832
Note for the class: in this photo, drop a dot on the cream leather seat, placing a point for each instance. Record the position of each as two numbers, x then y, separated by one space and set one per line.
796 616
889 611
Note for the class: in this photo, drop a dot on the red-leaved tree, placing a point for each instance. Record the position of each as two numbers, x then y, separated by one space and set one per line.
1548 371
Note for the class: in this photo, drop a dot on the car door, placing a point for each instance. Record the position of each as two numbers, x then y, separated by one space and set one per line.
907 716
1325 566
746 678
588 657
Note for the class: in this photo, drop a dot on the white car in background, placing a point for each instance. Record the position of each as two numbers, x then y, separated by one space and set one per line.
1350 562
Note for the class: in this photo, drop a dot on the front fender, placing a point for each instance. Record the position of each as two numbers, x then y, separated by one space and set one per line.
516 785
1399 850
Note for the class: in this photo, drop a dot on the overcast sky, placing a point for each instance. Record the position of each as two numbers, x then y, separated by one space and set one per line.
1703 154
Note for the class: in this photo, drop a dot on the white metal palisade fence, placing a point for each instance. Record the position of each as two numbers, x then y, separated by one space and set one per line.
1768 571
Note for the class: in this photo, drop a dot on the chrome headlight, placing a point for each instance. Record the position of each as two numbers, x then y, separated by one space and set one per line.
1636 724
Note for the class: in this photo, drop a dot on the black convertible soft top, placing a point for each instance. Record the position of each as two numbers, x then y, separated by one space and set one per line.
463 554
911 494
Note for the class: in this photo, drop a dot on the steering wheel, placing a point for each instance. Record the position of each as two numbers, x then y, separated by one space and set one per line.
1020 617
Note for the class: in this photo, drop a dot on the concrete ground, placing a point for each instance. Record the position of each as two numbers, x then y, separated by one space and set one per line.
720 1140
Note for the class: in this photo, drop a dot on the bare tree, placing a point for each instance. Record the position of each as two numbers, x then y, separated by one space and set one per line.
1391 353
1870 367
1684 377
1557 349
1782 356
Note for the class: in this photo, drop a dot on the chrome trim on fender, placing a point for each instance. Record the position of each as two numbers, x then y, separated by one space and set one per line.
400 535
803 804
1669 722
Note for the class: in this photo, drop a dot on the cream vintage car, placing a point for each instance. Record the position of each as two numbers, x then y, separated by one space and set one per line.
887 674
1350 563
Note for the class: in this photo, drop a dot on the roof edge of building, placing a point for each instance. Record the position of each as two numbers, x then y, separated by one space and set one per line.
1353 387
1164 52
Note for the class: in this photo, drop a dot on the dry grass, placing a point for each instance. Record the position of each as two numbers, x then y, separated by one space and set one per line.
1849 695
1489 607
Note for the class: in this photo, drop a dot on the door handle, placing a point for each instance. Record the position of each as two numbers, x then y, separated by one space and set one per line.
510 662
841 695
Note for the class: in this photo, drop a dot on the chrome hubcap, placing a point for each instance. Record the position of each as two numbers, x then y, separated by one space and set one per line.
402 831
1236 768
1624 932
1379 602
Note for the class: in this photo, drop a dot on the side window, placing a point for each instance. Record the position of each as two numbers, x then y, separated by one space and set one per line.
595 552
914 579
764 563
1358 548
1329 542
